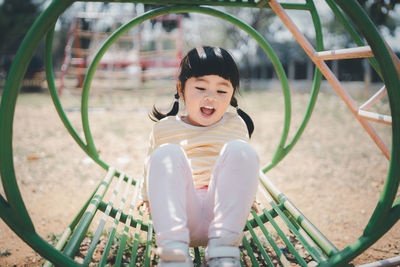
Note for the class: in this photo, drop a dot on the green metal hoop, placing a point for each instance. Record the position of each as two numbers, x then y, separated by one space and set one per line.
181 9
13 210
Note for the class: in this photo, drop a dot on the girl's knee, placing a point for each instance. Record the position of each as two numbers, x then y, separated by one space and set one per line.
241 151
167 151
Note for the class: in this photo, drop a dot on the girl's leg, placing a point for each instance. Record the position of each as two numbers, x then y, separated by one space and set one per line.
232 191
172 195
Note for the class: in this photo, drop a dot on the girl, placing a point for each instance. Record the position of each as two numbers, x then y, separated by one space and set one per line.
201 174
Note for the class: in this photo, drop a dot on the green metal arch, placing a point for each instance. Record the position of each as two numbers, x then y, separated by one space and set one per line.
183 9
14 213
387 212
281 150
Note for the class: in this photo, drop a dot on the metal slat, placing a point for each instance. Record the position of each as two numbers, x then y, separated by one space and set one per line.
283 237
147 258
372 116
332 79
301 220
346 53
135 244
107 248
259 245
304 239
197 257
81 229
275 247
102 223
127 224
378 95
247 246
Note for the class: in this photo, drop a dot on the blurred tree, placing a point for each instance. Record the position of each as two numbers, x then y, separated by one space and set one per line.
16 16
258 18
382 13
169 23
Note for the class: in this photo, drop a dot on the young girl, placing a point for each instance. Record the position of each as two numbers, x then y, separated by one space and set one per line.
201 174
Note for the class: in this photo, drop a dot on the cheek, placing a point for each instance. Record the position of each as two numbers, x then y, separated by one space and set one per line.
228 99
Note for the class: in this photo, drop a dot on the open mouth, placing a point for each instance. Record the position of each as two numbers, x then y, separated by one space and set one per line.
207 111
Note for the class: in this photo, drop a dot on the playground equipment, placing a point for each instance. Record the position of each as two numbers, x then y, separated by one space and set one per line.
321 251
129 62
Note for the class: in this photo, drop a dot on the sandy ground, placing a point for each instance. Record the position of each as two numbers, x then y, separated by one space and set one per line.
334 174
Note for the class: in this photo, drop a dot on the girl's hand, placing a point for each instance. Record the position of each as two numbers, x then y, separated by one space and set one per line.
145 205
255 206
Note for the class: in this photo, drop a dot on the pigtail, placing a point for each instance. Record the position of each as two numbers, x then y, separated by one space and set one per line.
244 116
156 115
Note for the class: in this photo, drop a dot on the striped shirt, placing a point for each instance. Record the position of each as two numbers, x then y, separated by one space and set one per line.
202 145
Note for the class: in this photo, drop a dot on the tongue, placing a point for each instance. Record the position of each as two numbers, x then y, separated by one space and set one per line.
207 111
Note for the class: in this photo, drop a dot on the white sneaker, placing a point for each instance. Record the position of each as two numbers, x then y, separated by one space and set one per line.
222 253
174 254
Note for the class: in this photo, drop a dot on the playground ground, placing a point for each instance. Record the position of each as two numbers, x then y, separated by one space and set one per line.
334 175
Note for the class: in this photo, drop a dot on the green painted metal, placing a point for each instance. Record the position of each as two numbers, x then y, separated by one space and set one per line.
250 252
386 212
116 222
283 150
247 4
299 219
352 31
135 244
124 217
87 217
12 208
285 239
53 91
102 223
197 257
312 249
13 211
149 243
259 245
204 10
7 110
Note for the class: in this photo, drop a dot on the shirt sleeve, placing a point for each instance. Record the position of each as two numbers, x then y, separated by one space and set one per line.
244 131
143 193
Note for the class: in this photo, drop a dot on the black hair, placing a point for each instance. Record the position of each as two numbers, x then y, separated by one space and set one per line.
207 60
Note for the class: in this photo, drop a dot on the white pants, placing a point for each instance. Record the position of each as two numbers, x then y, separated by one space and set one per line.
180 212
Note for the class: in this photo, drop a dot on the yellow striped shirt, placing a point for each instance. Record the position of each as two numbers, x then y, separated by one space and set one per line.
201 144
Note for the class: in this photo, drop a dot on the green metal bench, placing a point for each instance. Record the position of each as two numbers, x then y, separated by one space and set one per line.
300 242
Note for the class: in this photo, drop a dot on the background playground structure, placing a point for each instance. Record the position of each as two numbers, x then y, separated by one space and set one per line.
276 205
129 62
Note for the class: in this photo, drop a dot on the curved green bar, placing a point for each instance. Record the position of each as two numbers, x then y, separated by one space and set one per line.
353 33
57 103
183 9
48 59
387 212
282 151
13 211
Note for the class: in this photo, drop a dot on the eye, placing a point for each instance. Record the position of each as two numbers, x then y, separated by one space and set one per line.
200 88
222 92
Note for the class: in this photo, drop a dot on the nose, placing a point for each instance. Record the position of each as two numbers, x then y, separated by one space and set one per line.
210 96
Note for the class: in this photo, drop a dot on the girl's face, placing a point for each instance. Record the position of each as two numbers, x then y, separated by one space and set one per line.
206 99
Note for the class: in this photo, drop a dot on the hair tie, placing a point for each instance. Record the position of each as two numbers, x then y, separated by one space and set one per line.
237 107
176 97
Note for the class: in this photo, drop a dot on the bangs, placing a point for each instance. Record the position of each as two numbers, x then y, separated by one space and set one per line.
209 61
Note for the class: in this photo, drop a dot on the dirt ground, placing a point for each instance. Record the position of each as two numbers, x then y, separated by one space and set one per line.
334 174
